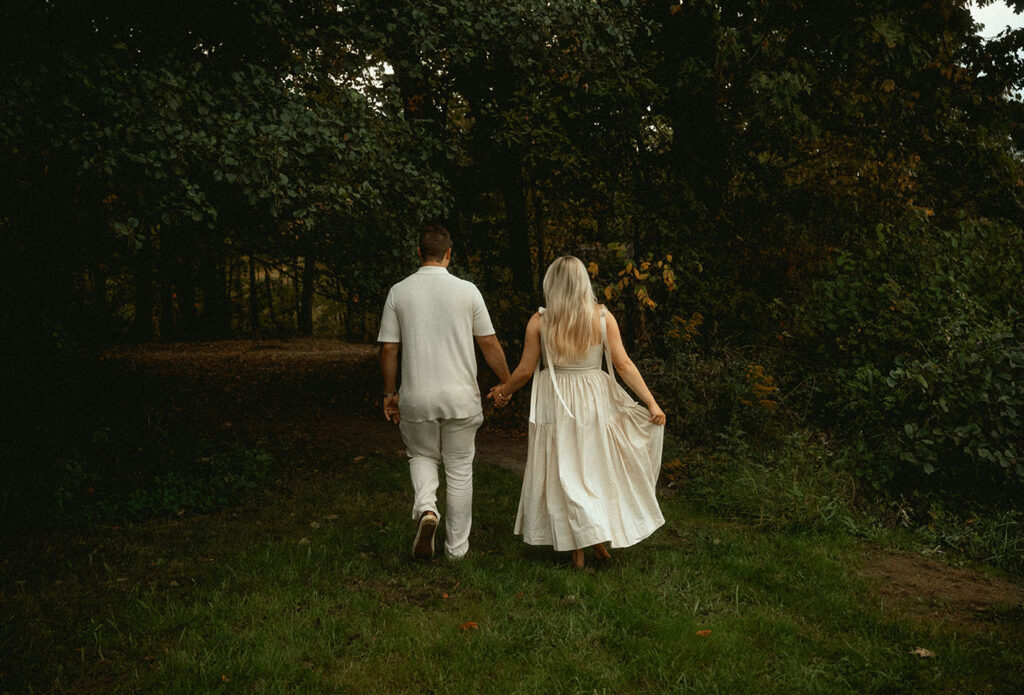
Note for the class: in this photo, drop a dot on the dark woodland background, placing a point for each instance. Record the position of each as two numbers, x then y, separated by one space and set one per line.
808 215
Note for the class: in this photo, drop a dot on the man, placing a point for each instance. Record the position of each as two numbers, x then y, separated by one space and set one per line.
434 317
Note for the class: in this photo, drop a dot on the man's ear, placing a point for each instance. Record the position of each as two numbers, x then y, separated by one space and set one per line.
448 255
419 254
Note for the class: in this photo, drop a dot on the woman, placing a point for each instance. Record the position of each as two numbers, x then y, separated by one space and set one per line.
594 454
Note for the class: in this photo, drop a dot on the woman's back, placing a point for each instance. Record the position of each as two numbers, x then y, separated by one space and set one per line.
589 359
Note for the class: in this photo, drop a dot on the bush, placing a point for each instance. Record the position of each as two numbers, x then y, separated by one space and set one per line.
918 342
960 404
723 390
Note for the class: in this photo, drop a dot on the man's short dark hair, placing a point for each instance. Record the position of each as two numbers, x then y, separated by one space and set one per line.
434 243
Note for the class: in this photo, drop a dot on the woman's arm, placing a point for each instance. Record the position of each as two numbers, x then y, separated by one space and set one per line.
628 371
528 362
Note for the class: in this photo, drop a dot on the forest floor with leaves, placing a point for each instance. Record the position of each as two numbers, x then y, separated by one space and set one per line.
307 585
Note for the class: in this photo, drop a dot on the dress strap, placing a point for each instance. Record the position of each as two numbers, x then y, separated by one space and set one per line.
545 356
604 341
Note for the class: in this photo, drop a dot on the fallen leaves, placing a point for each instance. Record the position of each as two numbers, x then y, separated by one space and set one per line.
923 653
703 633
469 625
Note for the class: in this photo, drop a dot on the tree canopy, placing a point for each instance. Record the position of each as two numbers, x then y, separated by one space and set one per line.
840 185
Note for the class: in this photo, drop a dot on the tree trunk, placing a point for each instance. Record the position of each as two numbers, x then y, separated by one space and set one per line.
185 281
216 309
296 293
418 102
165 317
341 314
697 154
305 324
516 223
186 290
350 321
98 287
166 260
254 303
270 296
142 324
538 227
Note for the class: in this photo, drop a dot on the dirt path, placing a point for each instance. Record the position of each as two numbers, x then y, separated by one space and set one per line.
316 392
928 590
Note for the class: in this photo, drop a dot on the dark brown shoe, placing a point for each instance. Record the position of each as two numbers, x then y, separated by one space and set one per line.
423 546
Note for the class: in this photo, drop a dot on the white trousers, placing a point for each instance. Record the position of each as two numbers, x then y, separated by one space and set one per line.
452 442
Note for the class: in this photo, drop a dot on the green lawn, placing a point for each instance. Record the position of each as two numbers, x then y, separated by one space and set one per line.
309 589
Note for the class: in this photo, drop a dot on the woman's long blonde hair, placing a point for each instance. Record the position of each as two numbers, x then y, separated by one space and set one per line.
569 316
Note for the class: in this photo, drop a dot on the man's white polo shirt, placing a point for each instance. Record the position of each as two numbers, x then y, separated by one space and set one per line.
434 315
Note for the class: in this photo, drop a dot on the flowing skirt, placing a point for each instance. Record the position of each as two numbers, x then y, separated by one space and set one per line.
590 477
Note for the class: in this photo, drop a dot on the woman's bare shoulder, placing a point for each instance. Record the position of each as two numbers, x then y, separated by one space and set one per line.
603 309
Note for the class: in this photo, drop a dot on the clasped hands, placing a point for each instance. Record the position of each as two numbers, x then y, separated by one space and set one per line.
391 411
498 395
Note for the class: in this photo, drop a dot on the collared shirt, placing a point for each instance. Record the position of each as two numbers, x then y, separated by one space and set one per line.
435 315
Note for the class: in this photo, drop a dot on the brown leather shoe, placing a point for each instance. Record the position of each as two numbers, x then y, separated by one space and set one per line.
423 546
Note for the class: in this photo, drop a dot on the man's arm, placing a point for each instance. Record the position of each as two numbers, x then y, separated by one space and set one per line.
389 377
494 355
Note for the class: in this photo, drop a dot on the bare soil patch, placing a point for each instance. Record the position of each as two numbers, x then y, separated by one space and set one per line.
312 394
927 589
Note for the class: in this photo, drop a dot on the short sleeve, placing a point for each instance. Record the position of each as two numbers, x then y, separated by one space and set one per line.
481 319
390 329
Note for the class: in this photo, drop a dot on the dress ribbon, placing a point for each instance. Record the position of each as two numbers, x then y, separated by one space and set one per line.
607 348
545 354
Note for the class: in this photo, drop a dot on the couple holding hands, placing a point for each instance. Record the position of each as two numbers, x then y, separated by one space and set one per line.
593 454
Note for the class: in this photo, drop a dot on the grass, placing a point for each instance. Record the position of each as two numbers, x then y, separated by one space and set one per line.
308 588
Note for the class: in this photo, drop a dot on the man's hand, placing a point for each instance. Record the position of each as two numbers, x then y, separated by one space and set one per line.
498 395
391 413
389 375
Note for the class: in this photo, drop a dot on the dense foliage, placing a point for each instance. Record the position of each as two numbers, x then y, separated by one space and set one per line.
805 217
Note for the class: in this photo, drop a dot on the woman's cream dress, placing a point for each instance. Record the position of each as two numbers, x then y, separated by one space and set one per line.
593 457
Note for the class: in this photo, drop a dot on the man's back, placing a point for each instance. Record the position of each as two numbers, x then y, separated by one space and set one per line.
435 316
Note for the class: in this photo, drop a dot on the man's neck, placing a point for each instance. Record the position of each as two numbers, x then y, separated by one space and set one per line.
435 264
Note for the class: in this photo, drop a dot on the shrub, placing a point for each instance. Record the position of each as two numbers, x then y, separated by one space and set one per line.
919 356
957 407
707 394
